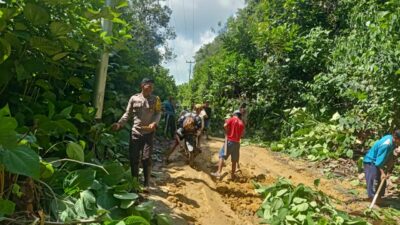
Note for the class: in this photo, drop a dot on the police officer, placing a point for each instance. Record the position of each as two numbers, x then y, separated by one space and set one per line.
145 111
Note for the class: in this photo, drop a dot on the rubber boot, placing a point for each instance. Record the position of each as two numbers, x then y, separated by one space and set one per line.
146 171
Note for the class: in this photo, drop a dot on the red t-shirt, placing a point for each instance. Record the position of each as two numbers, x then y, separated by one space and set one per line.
235 129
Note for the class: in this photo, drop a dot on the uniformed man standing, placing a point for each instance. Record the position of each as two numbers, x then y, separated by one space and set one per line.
145 111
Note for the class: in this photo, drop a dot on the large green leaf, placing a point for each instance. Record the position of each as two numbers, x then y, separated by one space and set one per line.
7 207
59 29
46 169
21 160
125 204
52 110
8 137
79 208
22 73
89 199
126 196
163 219
136 220
78 180
67 126
63 209
44 45
75 151
3 24
8 13
36 14
59 56
5 111
145 209
72 44
5 50
43 84
13 40
301 207
66 112
277 204
116 172
105 199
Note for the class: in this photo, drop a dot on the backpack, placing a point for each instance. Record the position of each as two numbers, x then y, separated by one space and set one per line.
189 123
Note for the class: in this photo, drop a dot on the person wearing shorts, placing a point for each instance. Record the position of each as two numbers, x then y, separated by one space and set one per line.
233 151
234 128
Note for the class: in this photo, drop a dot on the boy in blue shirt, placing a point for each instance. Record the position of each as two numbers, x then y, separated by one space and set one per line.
380 155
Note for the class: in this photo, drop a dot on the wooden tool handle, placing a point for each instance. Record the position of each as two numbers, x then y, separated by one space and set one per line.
377 193
225 146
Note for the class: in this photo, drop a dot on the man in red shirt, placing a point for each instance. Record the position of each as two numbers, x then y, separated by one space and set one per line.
234 128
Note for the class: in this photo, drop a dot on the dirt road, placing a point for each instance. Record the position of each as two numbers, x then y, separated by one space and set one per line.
192 196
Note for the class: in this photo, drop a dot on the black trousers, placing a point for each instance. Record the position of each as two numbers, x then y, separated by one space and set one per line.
170 126
141 148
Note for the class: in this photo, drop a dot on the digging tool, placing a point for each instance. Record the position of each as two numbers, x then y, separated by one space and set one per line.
225 145
377 193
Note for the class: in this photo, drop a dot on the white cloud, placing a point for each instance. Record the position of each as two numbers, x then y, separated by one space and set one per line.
206 37
229 4
193 21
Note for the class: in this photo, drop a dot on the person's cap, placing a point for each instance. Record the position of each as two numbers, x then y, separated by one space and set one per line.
237 112
147 81
397 133
198 106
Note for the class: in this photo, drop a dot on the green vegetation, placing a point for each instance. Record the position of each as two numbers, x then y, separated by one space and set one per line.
321 81
56 160
285 203
321 77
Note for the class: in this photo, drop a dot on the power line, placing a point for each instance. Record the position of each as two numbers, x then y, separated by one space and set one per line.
191 62
193 26
184 16
173 42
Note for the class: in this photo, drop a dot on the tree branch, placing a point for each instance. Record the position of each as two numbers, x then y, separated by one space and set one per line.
95 220
52 192
84 163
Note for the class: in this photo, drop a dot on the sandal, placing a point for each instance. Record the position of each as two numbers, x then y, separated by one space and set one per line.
216 174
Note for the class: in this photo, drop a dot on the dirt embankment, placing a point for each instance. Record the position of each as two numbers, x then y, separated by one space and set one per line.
192 196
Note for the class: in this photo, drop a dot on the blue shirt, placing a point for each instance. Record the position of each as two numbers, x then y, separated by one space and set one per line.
169 108
380 151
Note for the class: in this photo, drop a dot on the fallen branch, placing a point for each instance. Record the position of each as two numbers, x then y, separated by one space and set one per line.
14 221
52 192
84 163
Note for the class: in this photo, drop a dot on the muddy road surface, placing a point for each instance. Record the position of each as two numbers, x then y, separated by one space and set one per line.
193 196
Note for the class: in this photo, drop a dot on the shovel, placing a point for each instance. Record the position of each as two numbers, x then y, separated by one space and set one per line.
225 145
377 193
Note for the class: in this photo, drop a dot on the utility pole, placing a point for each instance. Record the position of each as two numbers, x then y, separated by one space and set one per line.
101 75
190 67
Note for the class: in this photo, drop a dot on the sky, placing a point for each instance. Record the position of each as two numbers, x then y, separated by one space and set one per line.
193 21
